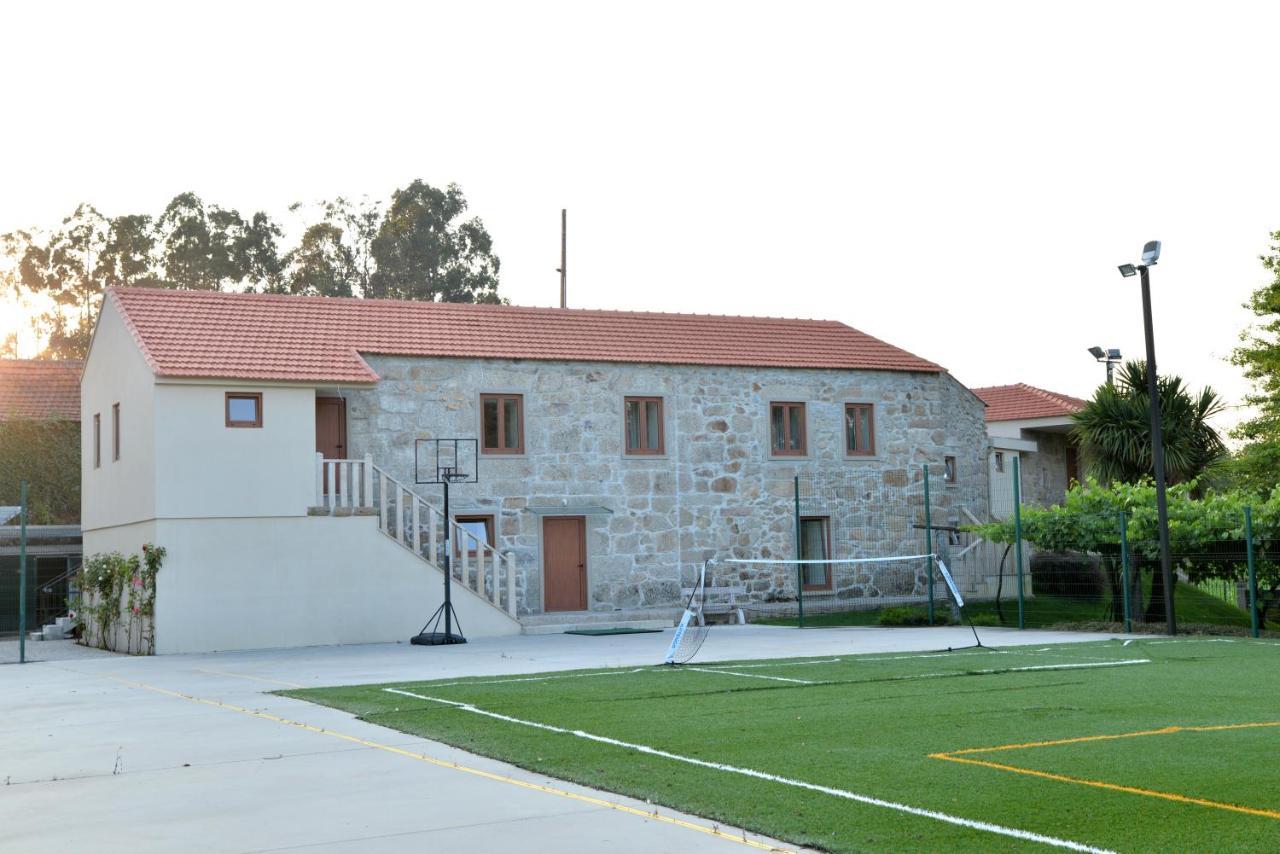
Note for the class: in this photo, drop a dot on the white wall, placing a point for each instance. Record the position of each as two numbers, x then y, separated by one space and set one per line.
210 470
124 491
313 580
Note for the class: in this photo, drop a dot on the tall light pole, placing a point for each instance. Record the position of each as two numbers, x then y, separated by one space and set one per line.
1112 358
1150 255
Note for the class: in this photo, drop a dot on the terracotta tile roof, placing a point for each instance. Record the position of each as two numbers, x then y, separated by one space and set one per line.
291 338
1018 401
38 389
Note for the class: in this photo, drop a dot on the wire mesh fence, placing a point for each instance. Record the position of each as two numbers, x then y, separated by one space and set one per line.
871 551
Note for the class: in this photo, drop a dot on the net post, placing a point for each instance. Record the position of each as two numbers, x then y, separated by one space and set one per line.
799 557
1124 569
928 540
22 576
1017 538
1253 571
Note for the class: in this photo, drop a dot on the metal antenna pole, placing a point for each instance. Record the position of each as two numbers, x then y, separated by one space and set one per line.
1157 453
564 258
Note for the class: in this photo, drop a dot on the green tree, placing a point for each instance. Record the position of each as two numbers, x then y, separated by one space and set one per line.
62 265
211 248
425 251
1114 429
1256 465
321 265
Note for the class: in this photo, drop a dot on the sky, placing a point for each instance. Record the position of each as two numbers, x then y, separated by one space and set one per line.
960 179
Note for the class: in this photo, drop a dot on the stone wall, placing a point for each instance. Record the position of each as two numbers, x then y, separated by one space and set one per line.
715 491
1044 473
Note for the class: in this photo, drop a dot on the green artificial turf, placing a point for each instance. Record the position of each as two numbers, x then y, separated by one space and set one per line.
871 725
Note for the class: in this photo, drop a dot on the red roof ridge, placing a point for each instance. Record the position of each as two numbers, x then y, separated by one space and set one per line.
1018 401
465 306
305 338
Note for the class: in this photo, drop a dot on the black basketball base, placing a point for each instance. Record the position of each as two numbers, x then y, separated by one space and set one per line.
429 636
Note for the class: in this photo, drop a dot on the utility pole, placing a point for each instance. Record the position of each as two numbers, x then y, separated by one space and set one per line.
564 260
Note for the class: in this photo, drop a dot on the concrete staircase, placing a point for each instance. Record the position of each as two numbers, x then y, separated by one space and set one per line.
61 629
559 622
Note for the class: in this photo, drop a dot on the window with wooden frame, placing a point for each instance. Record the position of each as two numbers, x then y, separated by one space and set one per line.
815 544
786 429
859 429
480 527
244 409
115 432
502 423
642 417
97 440
948 469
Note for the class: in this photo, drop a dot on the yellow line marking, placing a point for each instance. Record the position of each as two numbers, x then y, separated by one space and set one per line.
1169 730
254 678
710 830
1115 787
958 756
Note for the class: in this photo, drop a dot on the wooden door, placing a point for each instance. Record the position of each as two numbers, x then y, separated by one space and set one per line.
331 431
564 563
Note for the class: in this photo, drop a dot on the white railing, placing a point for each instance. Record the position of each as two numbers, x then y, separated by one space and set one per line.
344 483
418 526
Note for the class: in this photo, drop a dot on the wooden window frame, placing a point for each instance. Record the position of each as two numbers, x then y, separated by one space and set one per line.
237 395
661 447
487 519
785 451
950 472
826 535
871 431
500 397
115 432
97 440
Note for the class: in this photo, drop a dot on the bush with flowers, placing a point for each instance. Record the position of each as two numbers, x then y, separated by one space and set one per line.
119 592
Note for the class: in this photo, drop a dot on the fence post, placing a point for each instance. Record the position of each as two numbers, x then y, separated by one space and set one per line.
799 557
1253 570
1124 569
22 576
1017 538
928 540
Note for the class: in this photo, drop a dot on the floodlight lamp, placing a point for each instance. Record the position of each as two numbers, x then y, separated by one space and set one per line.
1151 252
1128 270
1097 352
1113 354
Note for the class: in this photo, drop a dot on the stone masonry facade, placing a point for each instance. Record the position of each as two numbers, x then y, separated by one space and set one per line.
716 491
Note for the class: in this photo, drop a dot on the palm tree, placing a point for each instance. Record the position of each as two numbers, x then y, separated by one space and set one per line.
1114 429
1114 432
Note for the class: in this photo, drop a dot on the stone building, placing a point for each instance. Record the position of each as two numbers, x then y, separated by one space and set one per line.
269 445
1034 426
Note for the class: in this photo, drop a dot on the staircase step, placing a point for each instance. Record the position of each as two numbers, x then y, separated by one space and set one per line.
561 628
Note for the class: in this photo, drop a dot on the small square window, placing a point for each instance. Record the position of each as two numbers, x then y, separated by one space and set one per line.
859 429
948 469
643 419
786 429
502 423
479 529
244 409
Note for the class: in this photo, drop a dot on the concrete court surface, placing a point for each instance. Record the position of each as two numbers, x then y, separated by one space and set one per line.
189 752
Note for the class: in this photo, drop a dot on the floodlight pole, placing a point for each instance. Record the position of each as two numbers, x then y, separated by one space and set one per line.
1157 451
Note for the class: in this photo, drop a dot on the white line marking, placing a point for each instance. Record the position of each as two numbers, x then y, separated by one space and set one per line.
750 675
539 678
777 664
1001 830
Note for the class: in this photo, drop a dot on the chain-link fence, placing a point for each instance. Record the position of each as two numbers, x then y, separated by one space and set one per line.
870 550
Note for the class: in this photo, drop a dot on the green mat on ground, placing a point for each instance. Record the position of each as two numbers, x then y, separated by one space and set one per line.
611 631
